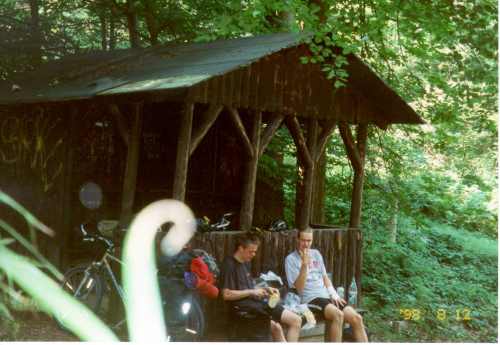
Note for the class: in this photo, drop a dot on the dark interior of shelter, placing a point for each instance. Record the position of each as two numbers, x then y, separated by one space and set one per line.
214 180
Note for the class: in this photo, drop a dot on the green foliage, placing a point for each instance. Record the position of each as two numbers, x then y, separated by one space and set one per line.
426 270
20 275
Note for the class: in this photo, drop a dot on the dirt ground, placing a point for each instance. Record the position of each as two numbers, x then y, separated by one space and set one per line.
40 327
35 327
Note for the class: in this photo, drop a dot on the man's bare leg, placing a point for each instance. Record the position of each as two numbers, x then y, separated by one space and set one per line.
277 332
293 323
353 318
336 318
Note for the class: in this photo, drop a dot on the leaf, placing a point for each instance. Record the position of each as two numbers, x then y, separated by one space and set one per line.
338 84
78 318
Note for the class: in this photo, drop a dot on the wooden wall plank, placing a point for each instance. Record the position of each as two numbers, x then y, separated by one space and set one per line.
236 89
246 74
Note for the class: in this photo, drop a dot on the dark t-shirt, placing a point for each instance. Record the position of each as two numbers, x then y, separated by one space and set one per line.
235 275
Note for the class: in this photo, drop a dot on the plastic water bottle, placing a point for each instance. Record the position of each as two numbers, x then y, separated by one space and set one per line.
353 293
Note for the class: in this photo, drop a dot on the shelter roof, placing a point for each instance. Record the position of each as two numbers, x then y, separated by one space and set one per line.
189 71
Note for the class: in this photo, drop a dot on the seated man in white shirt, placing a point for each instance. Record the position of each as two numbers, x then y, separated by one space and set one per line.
305 271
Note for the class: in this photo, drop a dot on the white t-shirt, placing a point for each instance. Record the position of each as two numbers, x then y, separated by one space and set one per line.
315 285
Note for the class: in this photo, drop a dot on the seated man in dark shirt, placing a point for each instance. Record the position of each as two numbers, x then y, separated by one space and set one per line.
239 290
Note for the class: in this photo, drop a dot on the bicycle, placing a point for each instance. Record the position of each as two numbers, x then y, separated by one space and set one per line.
89 283
222 224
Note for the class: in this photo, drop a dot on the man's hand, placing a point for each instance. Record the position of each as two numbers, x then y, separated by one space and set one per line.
259 293
338 302
304 257
272 290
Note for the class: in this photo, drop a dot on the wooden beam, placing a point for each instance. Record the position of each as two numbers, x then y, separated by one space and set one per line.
67 209
305 212
352 151
120 122
361 137
323 139
303 152
130 179
208 120
269 133
235 117
182 160
248 194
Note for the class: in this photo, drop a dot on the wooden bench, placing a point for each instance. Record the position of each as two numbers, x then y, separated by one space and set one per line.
341 250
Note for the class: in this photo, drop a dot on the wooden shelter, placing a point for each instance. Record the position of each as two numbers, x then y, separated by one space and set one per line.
169 105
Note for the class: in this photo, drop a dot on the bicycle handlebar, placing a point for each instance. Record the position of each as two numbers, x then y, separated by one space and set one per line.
88 237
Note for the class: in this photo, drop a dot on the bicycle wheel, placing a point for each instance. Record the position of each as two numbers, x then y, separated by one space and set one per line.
86 286
195 323
185 325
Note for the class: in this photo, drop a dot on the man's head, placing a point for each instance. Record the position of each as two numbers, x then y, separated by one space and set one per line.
305 238
246 247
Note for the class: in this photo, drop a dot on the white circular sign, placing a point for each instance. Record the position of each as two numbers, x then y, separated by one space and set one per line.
91 195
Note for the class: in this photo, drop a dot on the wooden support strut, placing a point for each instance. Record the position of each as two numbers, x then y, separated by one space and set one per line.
318 192
269 133
248 195
312 138
240 129
309 154
183 153
130 179
255 145
323 139
356 153
208 120
120 122
294 127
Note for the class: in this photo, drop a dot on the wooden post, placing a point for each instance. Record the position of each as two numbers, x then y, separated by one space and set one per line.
183 153
318 197
255 145
248 195
306 162
356 153
308 156
312 138
68 183
130 179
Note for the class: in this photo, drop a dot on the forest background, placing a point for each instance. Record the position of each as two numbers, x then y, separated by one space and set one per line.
430 197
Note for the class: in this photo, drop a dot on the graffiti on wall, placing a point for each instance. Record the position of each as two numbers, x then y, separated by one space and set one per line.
29 142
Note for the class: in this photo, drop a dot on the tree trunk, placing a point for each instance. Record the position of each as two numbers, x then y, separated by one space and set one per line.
112 30
104 32
36 32
151 22
132 25
392 226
